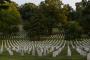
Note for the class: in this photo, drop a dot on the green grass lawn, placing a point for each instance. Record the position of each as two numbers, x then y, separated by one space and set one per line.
62 56
29 57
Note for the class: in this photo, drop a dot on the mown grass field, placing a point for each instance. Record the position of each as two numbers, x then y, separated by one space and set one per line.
62 56
6 56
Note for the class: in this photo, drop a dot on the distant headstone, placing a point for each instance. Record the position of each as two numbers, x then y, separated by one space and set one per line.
33 51
88 56
69 51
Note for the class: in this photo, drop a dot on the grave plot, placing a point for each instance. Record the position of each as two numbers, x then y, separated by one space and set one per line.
53 46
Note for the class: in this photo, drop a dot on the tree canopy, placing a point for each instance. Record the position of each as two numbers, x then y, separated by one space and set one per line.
41 19
9 18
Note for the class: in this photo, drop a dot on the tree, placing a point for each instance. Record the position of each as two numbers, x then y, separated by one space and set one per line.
3 1
85 20
9 19
53 13
73 30
83 10
31 19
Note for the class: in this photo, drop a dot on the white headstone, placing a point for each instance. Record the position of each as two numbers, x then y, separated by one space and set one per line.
69 51
88 56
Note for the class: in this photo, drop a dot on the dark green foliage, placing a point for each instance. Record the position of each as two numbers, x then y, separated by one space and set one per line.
73 31
9 19
85 22
40 20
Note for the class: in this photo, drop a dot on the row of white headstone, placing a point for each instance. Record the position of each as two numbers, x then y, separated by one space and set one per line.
43 48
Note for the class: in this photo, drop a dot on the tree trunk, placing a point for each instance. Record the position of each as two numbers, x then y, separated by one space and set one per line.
49 31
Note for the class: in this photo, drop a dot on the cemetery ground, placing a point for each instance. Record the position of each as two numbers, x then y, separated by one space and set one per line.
5 56
62 56
13 54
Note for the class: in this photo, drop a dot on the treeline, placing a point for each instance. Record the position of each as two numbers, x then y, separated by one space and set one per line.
41 19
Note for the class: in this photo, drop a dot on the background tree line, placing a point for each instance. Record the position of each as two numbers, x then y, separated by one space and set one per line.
40 20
